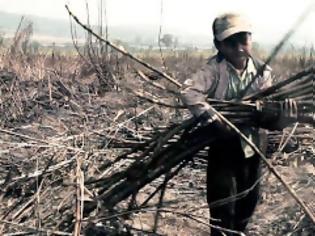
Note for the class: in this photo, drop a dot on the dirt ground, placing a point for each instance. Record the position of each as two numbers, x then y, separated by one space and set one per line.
54 119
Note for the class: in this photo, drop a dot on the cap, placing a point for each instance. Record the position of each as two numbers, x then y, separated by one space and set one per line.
228 24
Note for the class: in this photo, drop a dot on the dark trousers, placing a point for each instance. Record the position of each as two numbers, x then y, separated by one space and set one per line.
230 173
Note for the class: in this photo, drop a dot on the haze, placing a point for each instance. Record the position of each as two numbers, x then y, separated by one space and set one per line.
270 18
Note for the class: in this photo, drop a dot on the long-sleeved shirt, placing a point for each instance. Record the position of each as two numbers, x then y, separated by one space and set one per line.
220 80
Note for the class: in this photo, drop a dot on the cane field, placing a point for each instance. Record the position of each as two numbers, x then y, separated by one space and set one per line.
74 117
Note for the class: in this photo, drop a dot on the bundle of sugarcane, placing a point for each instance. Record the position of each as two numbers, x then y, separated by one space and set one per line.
169 150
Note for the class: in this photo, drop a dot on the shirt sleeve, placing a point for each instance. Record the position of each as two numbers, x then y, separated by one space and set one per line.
196 90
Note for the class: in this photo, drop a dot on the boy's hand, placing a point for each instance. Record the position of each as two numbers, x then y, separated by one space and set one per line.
216 126
289 109
288 113
278 116
220 129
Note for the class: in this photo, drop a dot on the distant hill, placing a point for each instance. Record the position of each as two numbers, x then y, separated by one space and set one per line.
55 28
61 28
42 26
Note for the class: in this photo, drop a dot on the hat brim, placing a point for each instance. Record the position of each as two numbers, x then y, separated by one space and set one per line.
234 30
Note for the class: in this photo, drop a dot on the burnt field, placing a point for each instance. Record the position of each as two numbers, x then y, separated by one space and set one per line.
65 118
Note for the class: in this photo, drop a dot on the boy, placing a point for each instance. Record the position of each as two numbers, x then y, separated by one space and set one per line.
233 166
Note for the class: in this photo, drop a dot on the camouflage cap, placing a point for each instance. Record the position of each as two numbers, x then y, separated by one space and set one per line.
228 24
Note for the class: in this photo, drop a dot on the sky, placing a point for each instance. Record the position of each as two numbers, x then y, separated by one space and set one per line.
271 19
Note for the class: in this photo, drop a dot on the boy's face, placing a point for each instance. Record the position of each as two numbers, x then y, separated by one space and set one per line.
236 48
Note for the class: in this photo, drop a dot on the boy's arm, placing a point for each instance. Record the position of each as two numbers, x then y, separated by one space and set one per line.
196 90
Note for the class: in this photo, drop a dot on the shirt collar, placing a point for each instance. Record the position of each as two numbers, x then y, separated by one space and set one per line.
250 69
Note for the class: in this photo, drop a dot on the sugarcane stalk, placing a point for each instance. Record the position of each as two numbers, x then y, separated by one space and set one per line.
275 87
124 190
290 92
154 83
307 97
276 50
295 85
146 153
170 176
303 80
308 91
145 166
147 146
156 101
